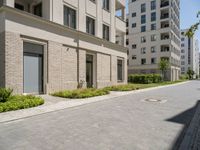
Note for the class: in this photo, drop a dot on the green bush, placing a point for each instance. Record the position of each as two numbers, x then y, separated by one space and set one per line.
81 93
5 94
17 102
144 78
126 87
184 77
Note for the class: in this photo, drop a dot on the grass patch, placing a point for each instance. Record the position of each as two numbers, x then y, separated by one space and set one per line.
131 87
16 102
81 93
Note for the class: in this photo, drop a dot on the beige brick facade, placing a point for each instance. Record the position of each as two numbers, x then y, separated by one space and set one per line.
14 62
64 55
2 59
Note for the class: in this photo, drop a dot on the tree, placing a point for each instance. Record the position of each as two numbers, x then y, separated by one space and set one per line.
190 73
163 66
194 27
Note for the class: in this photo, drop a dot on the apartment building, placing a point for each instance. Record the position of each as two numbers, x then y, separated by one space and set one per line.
189 53
52 45
154 34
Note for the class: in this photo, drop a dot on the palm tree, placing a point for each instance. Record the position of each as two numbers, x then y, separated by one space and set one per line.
163 66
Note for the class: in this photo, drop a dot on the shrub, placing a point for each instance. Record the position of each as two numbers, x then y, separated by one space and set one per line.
184 77
81 93
126 87
17 102
144 78
5 94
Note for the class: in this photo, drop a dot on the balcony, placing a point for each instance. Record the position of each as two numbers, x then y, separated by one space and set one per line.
120 24
164 36
164 14
164 24
164 3
164 48
30 6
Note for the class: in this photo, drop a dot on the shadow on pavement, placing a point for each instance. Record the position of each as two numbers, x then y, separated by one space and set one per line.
185 119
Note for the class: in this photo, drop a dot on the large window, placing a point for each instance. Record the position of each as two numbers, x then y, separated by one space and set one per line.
143 8
153 26
143 61
106 32
153 16
143 19
153 5
143 28
90 25
119 70
69 17
106 4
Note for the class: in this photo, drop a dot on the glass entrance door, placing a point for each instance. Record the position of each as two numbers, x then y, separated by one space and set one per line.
33 73
89 71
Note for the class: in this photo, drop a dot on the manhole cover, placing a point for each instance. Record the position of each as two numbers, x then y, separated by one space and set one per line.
154 100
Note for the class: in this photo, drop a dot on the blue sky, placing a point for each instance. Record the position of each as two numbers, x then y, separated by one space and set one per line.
189 9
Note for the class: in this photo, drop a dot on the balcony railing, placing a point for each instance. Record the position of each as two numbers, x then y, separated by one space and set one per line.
164 16
165 4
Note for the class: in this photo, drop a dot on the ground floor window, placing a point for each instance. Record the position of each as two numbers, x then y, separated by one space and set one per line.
119 70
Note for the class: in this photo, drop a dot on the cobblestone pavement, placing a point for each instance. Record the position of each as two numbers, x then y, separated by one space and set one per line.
149 120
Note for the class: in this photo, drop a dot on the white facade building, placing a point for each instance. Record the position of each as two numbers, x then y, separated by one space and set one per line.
154 34
189 53
53 45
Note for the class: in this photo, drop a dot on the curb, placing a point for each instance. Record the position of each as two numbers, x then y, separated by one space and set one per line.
68 103
191 140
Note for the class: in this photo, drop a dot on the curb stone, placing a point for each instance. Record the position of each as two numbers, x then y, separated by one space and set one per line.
191 140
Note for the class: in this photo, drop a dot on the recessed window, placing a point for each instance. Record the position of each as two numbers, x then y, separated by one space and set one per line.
106 5
106 32
90 25
153 5
134 57
143 28
153 26
143 50
143 8
133 25
153 37
134 14
143 61
143 19
134 46
143 39
153 49
69 17
153 60
153 16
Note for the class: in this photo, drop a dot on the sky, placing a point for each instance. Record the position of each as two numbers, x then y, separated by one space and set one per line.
188 14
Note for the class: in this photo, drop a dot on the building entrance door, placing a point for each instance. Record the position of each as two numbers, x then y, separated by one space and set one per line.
89 71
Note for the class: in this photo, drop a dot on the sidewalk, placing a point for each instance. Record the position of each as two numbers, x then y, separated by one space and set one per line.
56 103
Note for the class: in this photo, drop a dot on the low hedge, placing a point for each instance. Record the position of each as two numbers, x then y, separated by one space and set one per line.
126 87
144 78
17 102
9 102
81 93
